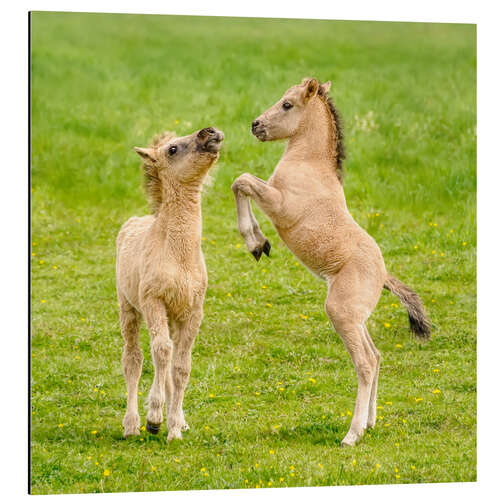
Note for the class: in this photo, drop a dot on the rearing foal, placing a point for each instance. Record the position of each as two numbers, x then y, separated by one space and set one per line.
305 201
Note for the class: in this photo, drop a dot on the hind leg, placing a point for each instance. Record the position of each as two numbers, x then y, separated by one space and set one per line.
348 306
372 409
132 359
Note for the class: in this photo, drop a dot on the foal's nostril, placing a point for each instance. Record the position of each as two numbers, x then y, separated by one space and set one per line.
255 123
204 132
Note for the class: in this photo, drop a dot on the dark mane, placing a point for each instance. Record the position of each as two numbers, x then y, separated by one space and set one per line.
152 183
339 134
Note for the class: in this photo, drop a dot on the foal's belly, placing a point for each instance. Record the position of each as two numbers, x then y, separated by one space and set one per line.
316 247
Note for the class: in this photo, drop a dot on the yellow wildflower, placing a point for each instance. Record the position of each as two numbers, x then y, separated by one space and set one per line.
106 472
268 305
271 452
387 325
93 432
436 391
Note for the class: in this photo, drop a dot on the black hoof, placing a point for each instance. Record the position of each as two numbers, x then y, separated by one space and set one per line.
267 248
257 253
153 428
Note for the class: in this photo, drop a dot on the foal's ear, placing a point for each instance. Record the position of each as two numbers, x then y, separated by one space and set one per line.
149 155
311 90
325 87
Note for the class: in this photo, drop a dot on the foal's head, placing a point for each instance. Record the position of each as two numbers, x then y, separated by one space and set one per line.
283 119
173 161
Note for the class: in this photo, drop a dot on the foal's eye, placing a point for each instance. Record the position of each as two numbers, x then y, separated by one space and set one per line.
287 105
172 150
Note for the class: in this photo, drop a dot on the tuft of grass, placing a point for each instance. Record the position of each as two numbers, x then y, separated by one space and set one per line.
102 84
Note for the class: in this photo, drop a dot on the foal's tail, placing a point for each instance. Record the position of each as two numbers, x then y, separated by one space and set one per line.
420 324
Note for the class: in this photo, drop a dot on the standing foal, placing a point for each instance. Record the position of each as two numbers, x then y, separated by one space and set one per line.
161 275
304 199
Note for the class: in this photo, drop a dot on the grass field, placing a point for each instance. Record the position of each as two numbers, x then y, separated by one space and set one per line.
272 386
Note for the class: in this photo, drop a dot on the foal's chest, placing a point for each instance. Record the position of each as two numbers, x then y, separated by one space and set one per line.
181 290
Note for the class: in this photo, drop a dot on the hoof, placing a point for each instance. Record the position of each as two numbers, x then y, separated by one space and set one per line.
350 440
257 253
153 428
185 427
131 433
174 434
267 248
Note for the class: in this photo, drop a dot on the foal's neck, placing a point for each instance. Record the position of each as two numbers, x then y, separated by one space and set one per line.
314 140
178 221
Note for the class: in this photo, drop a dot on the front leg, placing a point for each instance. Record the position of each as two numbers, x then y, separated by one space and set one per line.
269 200
181 369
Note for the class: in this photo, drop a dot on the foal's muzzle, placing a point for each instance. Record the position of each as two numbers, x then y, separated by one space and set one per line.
210 139
258 130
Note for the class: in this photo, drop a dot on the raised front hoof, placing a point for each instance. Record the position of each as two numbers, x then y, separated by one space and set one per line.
267 248
174 434
350 439
257 253
153 428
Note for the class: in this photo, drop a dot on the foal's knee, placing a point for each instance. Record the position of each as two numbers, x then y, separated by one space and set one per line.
240 185
132 359
161 348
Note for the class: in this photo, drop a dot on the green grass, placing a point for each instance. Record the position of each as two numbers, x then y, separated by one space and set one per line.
105 83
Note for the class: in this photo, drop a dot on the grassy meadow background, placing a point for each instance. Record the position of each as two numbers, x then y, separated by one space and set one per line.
272 387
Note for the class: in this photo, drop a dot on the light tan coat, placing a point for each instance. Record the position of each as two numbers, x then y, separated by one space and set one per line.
161 275
304 199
